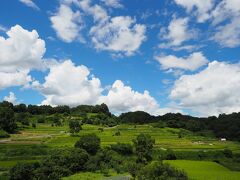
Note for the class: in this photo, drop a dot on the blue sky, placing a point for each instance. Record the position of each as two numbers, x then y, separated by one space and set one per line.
156 56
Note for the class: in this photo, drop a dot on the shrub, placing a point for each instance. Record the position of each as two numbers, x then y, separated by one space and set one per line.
89 142
4 134
121 148
228 153
23 171
74 126
160 171
143 146
170 155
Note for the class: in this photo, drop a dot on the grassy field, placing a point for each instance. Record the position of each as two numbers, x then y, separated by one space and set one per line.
97 176
204 170
164 137
33 144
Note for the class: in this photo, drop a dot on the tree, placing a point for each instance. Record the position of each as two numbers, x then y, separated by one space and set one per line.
7 120
89 142
23 171
160 171
20 108
143 146
23 118
74 126
139 117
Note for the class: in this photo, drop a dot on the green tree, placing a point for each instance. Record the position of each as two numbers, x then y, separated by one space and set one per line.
7 120
89 142
143 146
74 126
160 171
23 171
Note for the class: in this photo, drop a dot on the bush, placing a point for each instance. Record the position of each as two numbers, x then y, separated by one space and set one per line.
74 126
62 163
170 155
228 153
143 146
41 119
160 171
121 148
4 134
23 171
89 142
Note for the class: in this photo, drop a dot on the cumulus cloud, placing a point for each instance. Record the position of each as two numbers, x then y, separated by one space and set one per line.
67 24
30 3
71 85
20 52
120 34
18 78
212 91
121 98
191 63
113 3
176 34
11 98
201 9
68 84
226 18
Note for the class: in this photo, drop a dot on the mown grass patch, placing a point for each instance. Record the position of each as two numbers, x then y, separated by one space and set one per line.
204 170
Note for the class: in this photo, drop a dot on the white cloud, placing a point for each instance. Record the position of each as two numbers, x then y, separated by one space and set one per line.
176 34
192 63
67 24
226 18
30 3
68 84
20 52
2 28
210 92
98 13
11 98
14 79
119 34
228 35
200 8
71 85
113 3
121 98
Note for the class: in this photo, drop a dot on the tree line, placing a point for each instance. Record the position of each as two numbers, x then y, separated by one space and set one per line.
223 126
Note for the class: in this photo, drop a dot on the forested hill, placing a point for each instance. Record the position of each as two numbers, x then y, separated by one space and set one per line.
225 125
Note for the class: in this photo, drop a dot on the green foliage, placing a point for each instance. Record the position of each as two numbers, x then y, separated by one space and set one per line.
143 146
89 142
138 117
23 171
4 134
228 153
7 120
41 119
170 155
74 126
121 148
160 171
23 118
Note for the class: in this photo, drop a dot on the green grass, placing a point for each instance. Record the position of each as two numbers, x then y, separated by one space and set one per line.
8 164
204 170
45 137
96 176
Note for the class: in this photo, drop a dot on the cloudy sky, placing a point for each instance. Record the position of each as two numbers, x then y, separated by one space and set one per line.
151 55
